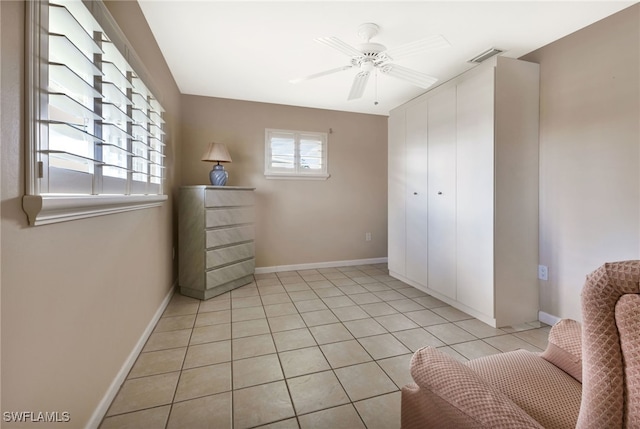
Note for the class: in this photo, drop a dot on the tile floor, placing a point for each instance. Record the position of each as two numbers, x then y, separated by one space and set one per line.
325 348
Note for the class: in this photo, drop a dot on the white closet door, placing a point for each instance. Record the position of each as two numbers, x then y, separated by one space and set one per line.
416 193
441 220
397 243
475 192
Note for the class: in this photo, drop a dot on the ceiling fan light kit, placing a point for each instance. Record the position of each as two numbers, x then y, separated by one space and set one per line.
371 57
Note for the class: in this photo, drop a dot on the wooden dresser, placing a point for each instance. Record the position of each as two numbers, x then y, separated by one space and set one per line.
215 239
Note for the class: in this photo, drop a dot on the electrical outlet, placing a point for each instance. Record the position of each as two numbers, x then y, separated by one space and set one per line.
543 272
367 236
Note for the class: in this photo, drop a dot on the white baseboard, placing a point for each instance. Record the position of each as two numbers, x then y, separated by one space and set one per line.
547 318
316 265
112 391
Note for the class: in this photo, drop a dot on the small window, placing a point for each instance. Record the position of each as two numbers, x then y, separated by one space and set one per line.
295 155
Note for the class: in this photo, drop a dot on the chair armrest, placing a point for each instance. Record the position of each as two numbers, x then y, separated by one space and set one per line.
565 348
449 394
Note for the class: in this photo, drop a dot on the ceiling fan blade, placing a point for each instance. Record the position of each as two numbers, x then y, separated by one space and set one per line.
422 45
324 73
359 84
416 78
339 45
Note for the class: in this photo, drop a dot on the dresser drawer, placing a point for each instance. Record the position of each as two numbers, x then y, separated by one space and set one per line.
219 276
226 255
223 198
223 217
226 236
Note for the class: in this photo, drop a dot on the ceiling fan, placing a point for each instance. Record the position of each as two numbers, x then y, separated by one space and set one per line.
372 56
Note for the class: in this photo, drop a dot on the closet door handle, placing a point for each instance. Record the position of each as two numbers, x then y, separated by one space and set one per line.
439 192
415 193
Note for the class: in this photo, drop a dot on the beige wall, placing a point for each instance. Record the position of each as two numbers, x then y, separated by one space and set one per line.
298 221
69 321
589 155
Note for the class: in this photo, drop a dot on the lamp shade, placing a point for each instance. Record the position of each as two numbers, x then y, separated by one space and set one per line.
217 152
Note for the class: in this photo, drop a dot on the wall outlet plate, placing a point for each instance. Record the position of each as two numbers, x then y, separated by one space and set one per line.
543 272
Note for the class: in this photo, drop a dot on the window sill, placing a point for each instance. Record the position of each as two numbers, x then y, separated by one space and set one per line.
285 176
47 209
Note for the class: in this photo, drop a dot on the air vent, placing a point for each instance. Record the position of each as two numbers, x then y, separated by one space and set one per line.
485 55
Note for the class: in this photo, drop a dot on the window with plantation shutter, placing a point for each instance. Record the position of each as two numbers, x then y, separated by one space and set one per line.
95 141
295 155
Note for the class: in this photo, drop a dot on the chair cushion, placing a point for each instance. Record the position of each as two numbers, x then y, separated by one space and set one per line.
628 322
542 390
449 394
565 348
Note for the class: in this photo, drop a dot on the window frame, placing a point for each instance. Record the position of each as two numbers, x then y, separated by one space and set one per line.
297 173
44 207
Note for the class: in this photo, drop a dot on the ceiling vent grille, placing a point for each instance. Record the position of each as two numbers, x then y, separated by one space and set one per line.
485 55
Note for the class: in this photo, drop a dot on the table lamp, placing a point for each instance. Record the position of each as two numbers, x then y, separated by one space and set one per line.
217 152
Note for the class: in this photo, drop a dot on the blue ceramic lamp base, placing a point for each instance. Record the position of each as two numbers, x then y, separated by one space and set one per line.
218 175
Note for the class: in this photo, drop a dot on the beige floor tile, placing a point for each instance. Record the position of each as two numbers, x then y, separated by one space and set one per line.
260 405
249 328
321 317
365 298
276 298
378 309
152 363
269 275
213 318
280 309
451 314
268 290
208 334
303 361
405 305
281 274
389 295
383 346
167 340
315 392
397 368
429 302
349 313
396 322
364 280
381 412
208 354
334 275
365 381
252 346
248 313
251 301
510 342
286 323
449 333
417 338
352 289
329 292
310 305
268 281
203 381
202 413
313 277
175 323
245 291
303 295
343 281
215 305
342 417
479 329
376 287
283 424
330 333
411 292
537 337
152 418
295 339
294 284
319 284
451 352
181 309
364 327
146 392
345 353
338 301
475 349
425 317
256 370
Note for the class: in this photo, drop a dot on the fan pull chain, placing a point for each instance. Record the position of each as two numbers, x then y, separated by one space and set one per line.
375 102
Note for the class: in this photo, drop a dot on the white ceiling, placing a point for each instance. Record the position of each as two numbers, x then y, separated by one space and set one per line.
250 50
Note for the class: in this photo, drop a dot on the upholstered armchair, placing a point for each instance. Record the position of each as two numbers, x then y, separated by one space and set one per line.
588 377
